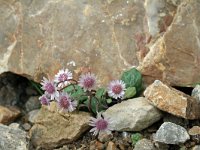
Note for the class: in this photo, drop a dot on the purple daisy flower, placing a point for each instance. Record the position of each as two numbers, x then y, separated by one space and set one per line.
116 89
45 99
65 103
100 124
50 88
87 81
63 77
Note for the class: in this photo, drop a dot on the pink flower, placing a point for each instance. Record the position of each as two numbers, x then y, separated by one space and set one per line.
116 89
63 77
45 100
65 103
87 81
50 88
100 124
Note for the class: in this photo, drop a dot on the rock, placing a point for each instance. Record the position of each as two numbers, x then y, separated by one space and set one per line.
162 62
8 114
32 103
195 130
99 35
144 144
197 147
172 101
104 136
170 133
13 138
196 92
111 146
52 129
32 115
26 126
132 115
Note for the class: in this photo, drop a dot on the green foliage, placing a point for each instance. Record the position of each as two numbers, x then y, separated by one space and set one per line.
98 102
135 138
76 93
132 78
36 86
130 92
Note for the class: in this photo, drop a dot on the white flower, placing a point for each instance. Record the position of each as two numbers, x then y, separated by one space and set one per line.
50 88
65 103
62 78
116 89
87 81
100 124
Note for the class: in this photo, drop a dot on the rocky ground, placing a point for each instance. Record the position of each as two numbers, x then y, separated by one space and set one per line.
142 123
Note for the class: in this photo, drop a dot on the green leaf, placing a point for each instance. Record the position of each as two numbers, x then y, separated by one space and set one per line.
100 93
135 138
76 93
130 92
132 78
109 100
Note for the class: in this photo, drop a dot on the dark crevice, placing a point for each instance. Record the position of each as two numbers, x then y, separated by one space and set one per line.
186 90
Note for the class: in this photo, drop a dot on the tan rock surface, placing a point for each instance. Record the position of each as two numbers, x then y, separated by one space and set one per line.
8 114
172 101
175 57
38 38
53 129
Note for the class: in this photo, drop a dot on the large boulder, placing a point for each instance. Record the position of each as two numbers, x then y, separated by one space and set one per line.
52 129
38 38
175 57
172 101
132 115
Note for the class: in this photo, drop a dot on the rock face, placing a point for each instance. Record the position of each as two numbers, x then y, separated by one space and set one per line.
7 115
132 115
13 139
174 58
58 33
53 129
170 133
172 101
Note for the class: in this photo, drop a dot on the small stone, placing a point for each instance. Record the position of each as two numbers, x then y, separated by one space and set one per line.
99 145
197 147
32 103
172 101
196 92
195 130
13 138
32 115
145 144
14 125
161 146
132 115
111 146
170 133
8 114
53 129
103 136
26 126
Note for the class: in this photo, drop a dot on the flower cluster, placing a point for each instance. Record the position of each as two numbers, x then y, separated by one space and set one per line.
54 90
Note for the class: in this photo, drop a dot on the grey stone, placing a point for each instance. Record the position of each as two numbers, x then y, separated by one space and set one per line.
132 115
13 138
32 115
32 103
145 144
170 133
196 92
